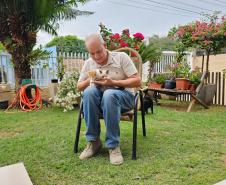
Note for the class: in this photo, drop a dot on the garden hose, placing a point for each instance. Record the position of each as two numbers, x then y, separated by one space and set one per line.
27 104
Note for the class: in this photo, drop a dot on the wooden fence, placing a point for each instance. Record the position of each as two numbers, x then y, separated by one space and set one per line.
217 78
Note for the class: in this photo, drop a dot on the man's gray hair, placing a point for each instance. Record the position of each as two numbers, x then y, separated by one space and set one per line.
95 36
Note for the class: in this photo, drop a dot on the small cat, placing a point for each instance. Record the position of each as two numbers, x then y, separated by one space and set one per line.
148 103
97 74
101 73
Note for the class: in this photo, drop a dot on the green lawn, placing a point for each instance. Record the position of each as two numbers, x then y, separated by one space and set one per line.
180 148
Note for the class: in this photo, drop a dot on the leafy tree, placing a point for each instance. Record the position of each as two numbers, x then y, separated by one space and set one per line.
68 43
20 20
164 43
208 34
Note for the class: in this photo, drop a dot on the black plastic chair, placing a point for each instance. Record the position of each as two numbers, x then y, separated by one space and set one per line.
127 116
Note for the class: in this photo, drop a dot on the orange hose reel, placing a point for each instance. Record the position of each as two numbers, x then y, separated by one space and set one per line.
25 103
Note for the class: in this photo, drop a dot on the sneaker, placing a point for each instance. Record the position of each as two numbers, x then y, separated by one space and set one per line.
116 156
91 149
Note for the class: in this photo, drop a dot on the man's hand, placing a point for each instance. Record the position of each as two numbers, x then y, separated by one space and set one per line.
105 82
131 82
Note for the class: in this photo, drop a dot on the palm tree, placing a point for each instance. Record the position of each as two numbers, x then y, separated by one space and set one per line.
20 20
150 53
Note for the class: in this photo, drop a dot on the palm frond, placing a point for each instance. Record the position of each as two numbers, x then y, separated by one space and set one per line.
38 55
50 28
71 13
150 53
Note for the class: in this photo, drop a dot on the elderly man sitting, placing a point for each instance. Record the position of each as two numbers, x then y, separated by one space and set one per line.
109 96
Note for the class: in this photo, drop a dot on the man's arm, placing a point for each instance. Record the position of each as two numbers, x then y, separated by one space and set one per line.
130 82
83 84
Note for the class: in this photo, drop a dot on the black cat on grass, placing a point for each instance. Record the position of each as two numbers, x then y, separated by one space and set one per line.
148 103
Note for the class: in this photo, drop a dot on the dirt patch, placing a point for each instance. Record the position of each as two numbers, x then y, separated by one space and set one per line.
223 159
165 133
167 122
176 107
224 145
5 134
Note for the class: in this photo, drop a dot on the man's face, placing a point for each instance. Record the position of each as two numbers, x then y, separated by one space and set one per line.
97 52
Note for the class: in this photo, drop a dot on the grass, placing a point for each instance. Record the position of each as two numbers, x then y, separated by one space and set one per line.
180 148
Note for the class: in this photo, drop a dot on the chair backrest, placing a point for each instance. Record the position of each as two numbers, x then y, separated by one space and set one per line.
135 56
202 81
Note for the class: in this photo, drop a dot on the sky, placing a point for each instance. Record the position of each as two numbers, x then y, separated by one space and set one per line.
149 17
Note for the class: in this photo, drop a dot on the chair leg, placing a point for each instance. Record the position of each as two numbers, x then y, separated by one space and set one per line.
78 130
143 114
134 147
152 108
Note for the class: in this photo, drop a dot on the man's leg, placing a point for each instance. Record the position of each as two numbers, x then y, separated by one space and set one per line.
114 102
91 108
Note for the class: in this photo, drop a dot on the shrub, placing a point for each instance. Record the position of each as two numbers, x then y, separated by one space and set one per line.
67 94
125 39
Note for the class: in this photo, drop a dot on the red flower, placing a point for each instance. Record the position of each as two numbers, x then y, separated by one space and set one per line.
116 40
123 43
115 36
138 36
181 32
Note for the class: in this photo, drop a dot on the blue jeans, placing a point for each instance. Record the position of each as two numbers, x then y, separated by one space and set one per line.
111 103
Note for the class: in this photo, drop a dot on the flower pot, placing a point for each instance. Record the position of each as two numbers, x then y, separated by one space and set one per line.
170 84
4 104
155 85
54 80
182 84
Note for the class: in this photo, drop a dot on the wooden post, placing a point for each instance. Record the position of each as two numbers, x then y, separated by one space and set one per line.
203 62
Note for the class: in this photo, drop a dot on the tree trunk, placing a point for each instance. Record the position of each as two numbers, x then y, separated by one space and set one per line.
207 65
22 70
203 57
19 42
21 57
207 60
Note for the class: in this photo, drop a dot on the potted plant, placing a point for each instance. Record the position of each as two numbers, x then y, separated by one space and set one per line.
195 78
157 81
180 71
